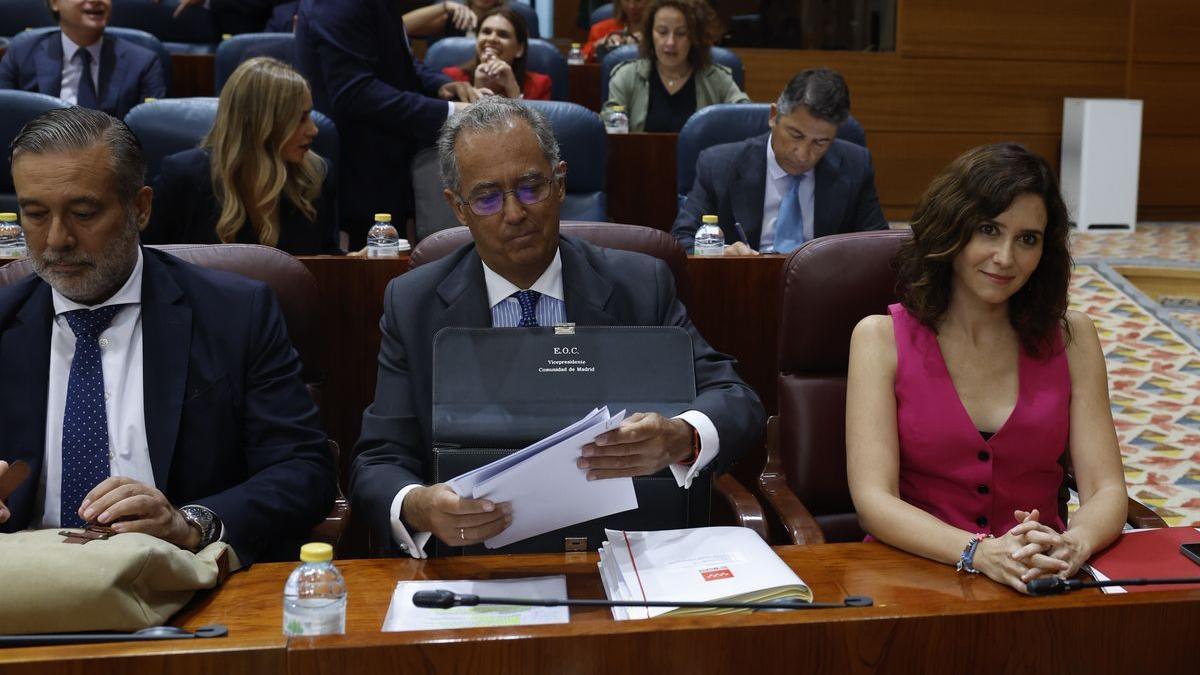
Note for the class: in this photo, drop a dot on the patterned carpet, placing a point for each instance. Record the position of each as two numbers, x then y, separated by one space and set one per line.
1153 355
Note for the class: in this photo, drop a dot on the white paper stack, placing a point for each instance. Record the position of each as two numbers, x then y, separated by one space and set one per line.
704 564
545 487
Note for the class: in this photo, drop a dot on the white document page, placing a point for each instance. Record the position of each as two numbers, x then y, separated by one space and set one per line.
463 485
404 615
548 491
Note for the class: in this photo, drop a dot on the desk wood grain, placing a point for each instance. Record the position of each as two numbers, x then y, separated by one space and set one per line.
926 618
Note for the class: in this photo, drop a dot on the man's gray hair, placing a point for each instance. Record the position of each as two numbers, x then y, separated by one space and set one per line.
76 128
489 114
821 91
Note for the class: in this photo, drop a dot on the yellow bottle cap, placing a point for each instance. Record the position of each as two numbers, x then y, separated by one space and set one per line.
575 45
226 36
316 552
708 219
617 108
149 99
383 217
8 217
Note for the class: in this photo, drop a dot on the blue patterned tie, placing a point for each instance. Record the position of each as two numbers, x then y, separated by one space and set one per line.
789 224
85 425
529 301
85 93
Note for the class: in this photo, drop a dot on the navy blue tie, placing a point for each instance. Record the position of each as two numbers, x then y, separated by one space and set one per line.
85 94
529 301
85 460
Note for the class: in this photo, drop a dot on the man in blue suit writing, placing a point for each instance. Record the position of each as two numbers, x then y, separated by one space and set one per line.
82 65
145 393
386 104
789 185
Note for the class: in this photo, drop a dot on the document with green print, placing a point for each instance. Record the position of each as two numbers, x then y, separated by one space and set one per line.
404 615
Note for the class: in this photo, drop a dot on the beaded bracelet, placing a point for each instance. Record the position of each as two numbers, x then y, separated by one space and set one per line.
966 562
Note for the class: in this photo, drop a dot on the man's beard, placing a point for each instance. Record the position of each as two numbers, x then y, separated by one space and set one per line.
102 274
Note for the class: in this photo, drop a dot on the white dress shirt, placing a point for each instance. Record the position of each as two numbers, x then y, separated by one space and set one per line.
550 284
778 184
71 69
121 359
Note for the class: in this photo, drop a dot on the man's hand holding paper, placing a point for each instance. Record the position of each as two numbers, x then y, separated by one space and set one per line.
644 444
457 521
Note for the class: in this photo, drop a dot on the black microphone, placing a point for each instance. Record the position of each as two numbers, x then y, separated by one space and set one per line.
443 599
1056 586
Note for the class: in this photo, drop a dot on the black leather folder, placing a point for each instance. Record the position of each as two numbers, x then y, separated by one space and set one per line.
497 390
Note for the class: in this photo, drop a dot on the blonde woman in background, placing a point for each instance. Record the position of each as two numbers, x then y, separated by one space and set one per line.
254 179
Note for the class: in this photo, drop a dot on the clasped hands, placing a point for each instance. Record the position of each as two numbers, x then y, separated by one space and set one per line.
645 443
1028 551
129 506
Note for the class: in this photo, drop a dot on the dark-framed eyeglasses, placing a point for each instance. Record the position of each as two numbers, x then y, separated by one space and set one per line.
529 192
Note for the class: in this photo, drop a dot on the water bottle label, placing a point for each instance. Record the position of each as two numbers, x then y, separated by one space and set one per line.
324 623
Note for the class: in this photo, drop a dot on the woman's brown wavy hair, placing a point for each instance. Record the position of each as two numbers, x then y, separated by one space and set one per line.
976 187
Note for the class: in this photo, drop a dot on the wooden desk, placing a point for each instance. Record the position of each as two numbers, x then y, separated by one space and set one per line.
926 619
193 75
585 85
640 179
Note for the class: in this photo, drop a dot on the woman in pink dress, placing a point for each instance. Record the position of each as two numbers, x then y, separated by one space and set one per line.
962 400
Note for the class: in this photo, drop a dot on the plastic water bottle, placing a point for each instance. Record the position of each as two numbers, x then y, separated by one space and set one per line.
617 121
314 598
710 240
382 239
12 237
575 56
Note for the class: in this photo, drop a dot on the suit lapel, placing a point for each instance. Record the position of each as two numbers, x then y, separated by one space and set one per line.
112 71
166 344
748 187
465 294
585 291
49 69
25 362
829 193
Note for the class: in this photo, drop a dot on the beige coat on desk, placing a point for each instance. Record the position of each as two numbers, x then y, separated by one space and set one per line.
630 87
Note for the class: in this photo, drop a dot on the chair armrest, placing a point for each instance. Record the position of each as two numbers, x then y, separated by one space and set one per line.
331 530
1142 516
746 509
798 523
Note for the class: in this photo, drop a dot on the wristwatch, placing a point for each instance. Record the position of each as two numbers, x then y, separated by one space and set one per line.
205 521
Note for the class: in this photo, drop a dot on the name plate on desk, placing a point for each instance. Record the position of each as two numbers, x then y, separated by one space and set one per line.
497 390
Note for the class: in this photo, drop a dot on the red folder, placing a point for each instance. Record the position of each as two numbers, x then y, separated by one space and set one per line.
1149 554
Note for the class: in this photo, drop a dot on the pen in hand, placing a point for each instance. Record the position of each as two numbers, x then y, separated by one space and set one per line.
740 233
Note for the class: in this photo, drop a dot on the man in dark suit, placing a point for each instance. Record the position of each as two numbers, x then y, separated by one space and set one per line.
386 104
792 184
81 64
240 16
504 180
144 392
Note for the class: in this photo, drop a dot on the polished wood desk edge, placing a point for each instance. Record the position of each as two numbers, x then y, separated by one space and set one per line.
116 650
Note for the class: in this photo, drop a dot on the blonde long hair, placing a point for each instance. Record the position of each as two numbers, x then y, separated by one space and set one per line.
259 109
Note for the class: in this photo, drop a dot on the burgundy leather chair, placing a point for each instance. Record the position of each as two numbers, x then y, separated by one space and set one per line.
829 285
296 289
646 240
744 507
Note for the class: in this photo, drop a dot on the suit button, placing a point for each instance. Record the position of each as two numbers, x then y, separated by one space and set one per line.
983 489
981 521
984 455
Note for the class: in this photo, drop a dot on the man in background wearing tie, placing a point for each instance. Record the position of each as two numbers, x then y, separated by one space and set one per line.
144 393
794 183
503 178
82 65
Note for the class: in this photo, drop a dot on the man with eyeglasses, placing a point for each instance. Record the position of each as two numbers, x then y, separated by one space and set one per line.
503 179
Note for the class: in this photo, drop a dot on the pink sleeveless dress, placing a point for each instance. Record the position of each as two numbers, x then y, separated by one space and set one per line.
947 468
